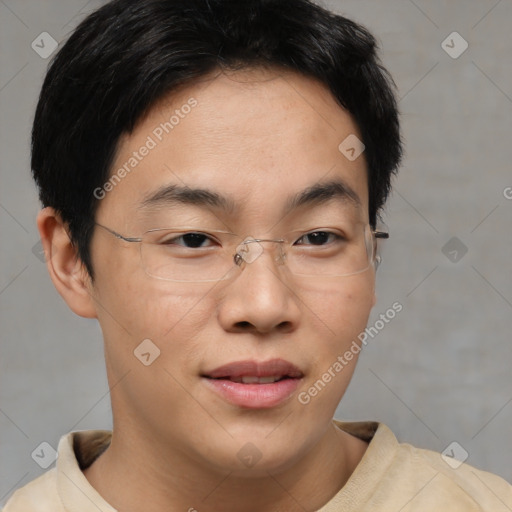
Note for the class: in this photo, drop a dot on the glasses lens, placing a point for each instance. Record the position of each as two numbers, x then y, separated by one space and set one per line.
197 256
186 255
330 253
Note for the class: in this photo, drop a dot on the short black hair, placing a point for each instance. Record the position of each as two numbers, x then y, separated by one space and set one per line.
129 54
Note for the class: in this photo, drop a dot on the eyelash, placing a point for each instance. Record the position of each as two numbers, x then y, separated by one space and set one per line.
330 234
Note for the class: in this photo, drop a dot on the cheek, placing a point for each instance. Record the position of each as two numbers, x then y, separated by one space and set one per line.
145 308
341 308
339 317
344 315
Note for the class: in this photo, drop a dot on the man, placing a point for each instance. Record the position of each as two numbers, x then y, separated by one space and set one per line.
212 174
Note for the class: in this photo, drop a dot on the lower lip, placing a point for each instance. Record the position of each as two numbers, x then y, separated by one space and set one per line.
254 396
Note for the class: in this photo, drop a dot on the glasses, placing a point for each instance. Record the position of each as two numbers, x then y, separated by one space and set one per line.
188 254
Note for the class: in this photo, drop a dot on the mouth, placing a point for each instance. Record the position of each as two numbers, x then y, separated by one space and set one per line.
250 379
253 384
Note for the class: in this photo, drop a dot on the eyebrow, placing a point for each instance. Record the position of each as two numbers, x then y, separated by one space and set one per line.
315 195
321 193
175 194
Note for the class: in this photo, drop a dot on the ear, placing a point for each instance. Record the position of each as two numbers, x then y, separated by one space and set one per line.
66 270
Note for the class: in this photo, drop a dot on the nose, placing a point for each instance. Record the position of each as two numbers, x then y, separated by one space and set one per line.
261 297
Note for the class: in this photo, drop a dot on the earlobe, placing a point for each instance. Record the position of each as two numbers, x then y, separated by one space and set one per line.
67 272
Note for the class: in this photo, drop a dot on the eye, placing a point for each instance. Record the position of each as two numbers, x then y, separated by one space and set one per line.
319 238
189 240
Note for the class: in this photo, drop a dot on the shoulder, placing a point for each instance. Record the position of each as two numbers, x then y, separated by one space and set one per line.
65 483
452 478
398 476
39 495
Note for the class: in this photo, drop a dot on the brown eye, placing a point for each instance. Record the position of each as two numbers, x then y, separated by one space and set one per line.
189 240
318 238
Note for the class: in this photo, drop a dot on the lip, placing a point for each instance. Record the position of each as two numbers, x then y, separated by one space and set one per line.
254 395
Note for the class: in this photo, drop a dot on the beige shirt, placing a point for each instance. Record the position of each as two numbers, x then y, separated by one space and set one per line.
391 477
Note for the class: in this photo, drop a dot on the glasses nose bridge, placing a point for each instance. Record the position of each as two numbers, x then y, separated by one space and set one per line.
251 249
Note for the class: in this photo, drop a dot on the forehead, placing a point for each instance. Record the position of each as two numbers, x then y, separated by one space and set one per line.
257 136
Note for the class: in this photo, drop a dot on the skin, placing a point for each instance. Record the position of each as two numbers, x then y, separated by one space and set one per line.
256 136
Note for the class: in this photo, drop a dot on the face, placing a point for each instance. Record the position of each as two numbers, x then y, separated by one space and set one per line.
236 151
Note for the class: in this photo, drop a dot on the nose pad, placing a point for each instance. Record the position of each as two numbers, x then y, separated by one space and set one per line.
251 249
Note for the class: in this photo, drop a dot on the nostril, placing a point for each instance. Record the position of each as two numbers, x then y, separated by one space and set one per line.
285 326
244 325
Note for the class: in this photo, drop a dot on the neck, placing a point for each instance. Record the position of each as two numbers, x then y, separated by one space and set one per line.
186 484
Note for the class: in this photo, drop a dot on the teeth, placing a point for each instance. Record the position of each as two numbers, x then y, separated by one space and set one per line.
268 380
250 380
256 380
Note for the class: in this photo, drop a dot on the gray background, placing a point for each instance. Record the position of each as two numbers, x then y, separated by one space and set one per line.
439 371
